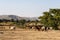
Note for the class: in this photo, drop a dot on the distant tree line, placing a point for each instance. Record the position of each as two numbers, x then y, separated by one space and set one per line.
18 23
4 20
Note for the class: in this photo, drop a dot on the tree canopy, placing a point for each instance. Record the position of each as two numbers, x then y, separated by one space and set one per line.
51 18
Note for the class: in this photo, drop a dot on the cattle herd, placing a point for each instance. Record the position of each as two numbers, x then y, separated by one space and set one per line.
38 27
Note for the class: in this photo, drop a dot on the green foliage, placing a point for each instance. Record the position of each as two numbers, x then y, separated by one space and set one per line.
51 18
56 15
12 20
22 22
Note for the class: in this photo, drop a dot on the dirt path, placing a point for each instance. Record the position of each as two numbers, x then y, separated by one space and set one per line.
30 35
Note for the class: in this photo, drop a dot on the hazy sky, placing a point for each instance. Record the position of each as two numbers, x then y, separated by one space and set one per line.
27 8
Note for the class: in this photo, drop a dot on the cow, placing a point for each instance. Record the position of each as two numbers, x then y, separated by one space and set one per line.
12 28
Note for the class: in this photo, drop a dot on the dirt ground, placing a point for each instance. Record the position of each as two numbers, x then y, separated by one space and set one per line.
29 35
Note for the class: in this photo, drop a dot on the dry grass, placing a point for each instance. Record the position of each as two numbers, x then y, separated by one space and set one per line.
30 35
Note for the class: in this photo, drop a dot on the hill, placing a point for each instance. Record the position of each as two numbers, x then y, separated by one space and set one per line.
9 17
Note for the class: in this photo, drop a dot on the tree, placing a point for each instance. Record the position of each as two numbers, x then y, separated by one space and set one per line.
12 20
1 20
44 19
56 15
22 22
51 18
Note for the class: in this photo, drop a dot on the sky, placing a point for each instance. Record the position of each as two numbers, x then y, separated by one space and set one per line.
27 8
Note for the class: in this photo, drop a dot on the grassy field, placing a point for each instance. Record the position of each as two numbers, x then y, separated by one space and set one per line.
29 35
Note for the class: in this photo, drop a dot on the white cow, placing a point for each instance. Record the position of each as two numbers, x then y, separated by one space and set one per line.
12 27
43 28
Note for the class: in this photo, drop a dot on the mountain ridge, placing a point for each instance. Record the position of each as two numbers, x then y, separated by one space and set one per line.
9 17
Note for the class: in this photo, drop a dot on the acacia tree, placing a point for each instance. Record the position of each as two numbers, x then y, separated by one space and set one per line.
51 18
46 19
56 15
